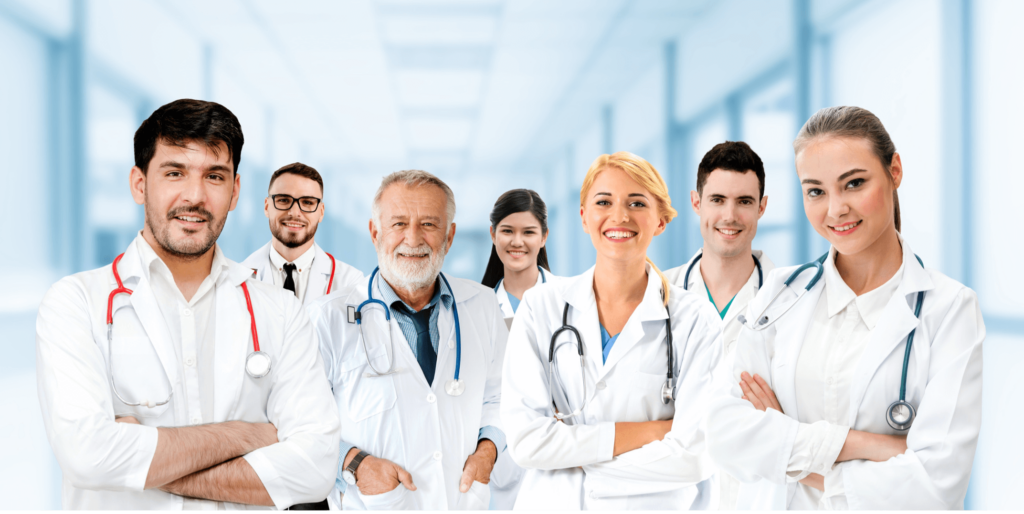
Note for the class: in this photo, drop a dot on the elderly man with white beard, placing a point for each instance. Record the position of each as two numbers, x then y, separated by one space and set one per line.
414 359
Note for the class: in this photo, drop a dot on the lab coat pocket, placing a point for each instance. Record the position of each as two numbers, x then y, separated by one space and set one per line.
394 499
646 396
477 498
138 377
369 395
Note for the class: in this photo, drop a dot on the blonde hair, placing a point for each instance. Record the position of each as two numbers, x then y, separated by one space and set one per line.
644 174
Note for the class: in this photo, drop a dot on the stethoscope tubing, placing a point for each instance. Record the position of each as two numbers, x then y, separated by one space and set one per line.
686 277
543 279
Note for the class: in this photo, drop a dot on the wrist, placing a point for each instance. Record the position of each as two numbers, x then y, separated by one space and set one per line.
351 455
487 448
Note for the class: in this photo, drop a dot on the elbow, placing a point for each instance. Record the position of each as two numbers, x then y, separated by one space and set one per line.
83 471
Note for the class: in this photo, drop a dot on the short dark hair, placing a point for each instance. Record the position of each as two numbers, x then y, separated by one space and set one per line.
297 168
731 156
183 121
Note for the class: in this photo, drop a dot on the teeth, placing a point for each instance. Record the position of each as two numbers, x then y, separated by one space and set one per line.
518 254
728 232
190 219
844 228
619 234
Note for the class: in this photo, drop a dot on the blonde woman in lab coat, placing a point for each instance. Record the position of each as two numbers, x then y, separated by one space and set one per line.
804 419
596 434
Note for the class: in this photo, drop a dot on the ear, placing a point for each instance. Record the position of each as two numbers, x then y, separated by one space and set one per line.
137 185
266 206
762 207
695 202
451 238
586 229
662 224
235 190
373 233
323 211
492 235
896 170
544 240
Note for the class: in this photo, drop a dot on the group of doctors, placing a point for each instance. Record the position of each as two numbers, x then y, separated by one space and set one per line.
175 378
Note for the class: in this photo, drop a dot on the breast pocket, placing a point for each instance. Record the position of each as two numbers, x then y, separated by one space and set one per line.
137 376
646 396
366 393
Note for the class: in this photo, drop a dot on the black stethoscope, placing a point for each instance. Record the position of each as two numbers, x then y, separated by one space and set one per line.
686 278
666 389
900 414
257 364
543 279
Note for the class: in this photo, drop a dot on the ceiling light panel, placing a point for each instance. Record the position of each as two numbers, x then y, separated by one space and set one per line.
427 89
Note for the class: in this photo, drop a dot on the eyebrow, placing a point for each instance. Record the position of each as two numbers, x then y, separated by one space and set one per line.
506 225
841 177
630 195
744 197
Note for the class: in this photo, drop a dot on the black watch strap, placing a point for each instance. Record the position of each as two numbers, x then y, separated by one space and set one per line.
356 461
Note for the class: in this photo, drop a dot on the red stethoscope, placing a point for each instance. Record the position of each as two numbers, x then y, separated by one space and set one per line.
257 364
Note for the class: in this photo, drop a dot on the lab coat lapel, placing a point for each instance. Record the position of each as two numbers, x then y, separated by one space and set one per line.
583 316
260 261
233 343
651 308
146 307
794 323
893 327
696 282
319 274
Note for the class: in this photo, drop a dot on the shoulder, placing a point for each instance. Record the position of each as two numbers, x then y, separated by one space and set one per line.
256 259
473 294
674 275
691 309
78 288
946 294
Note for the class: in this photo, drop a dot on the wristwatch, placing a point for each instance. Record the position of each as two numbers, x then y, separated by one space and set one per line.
350 471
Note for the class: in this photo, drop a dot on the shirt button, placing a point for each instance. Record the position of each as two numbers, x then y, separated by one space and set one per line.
186 312
601 385
197 420
437 455
190 360
451 344
431 398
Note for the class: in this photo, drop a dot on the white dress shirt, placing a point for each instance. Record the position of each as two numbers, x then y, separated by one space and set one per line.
840 329
301 273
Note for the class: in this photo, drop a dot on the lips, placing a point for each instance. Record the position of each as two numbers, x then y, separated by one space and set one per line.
517 254
619 234
728 233
846 228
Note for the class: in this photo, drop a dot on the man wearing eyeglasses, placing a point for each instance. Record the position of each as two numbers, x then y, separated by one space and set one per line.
292 259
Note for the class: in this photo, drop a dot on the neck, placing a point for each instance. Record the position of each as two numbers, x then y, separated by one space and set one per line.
620 281
415 298
726 275
875 265
188 272
290 254
517 282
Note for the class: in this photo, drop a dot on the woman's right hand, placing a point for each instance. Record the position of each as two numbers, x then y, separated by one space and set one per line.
862 445
632 435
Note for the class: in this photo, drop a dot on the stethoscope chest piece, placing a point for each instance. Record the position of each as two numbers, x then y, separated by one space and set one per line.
454 387
257 364
900 415
666 391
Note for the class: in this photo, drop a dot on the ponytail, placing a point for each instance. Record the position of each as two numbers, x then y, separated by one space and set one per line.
664 281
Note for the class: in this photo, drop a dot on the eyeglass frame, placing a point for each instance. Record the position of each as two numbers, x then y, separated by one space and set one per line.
273 201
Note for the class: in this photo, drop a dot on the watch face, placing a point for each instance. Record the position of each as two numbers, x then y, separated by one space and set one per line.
349 477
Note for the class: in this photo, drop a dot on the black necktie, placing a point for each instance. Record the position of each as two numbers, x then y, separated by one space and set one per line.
289 282
425 354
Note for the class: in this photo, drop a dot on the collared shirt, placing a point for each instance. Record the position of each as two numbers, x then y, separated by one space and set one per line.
191 324
401 312
303 265
839 332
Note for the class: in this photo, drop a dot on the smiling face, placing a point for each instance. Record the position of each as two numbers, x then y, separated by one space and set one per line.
517 240
729 210
621 216
187 192
412 235
294 227
848 195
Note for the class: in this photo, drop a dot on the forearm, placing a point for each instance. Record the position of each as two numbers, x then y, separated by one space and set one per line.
186 450
632 435
232 481
860 445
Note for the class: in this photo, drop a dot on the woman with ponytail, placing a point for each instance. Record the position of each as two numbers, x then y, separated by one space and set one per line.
806 419
519 259
612 419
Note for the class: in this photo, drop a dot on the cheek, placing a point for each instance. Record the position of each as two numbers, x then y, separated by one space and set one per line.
873 203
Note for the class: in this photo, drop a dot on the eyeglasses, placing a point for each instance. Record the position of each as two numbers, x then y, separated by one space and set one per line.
306 203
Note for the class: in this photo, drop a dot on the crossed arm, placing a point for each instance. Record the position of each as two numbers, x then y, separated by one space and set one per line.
205 461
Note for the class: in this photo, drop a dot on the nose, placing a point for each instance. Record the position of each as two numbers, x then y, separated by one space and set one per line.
195 189
294 210
837 207
517 239
621 213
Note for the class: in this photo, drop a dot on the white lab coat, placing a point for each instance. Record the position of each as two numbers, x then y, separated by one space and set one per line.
345 276
399 417
570 467
943 382
105 463
507 476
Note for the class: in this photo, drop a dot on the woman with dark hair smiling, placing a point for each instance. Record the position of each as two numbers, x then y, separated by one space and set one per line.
866 394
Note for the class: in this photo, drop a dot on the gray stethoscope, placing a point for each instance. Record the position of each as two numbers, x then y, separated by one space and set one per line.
543 279
686 277
666 389
454 387
900 414
257 363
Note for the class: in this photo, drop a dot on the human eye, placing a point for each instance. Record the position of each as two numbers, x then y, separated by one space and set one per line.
307 203
602 203
506 231
638 204
855 183
814 192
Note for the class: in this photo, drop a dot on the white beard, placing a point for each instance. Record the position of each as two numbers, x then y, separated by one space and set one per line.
410 276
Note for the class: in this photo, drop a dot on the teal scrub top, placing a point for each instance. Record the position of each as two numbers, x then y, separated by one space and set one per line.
721 313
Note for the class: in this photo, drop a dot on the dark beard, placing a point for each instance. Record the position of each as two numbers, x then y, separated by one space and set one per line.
279 234
188 250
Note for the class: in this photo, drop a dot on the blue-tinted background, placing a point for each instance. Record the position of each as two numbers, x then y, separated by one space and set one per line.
493 95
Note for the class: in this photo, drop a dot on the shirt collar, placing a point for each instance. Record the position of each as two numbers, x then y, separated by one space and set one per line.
390 297
870 305
151 262
302 263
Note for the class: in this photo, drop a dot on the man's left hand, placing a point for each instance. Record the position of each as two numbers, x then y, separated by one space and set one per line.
479 465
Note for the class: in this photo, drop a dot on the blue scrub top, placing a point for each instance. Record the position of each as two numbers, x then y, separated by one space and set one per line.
513 301
607 341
